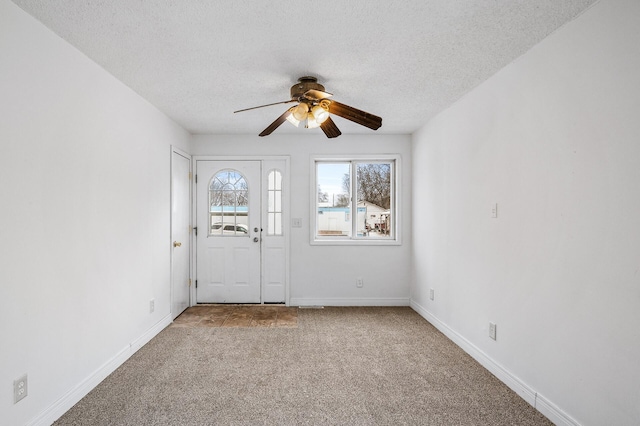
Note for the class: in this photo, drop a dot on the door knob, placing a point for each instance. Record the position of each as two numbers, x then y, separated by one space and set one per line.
176 244
255 239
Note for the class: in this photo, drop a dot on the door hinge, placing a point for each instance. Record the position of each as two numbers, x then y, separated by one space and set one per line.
195 229
196 178
196 283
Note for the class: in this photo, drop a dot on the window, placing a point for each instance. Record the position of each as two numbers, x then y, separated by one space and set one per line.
274 203
355 200
228 204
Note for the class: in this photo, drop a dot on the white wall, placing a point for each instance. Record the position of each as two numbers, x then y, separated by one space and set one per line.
84 220
326 275
554 139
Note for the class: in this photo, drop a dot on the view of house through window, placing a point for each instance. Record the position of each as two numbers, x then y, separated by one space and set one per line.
363 187
228 204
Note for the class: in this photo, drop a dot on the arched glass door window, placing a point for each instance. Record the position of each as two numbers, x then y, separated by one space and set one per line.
229 204
274 206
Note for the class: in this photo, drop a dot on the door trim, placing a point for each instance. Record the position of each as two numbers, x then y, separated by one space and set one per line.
175 150
286 214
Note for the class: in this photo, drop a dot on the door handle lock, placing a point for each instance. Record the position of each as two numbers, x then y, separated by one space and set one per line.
256 239
176 244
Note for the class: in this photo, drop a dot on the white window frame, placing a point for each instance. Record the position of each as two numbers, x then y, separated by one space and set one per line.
354 240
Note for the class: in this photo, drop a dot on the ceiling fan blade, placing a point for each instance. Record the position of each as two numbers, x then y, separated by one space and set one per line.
276 123
262 106
317 94
330 129
357 116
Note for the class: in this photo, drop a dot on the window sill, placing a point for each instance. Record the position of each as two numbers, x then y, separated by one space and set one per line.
353 242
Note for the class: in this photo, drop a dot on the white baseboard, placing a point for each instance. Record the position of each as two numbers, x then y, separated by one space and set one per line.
68 400
150 334
373 301
553 412
543 405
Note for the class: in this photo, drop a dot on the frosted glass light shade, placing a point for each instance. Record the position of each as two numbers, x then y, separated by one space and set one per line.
320 114
300 111
291 119
312 123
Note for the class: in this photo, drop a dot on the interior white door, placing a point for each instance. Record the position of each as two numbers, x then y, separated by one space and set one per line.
180 232
228 215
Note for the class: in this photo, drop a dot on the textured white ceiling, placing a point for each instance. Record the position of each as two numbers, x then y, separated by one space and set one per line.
199 60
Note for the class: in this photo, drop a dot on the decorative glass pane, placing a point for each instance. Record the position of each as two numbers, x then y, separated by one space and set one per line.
228 204
278 223
274 203
278 179
271 178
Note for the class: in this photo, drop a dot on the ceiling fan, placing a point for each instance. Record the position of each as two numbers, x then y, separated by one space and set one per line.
314 108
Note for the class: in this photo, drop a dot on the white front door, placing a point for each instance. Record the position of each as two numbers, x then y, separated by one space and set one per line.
180 232
228 216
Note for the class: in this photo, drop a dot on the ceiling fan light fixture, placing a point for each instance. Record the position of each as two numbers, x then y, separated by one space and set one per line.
300 111
320 114
312 123
291 119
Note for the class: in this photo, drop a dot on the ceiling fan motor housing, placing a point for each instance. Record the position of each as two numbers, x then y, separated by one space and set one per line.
304 85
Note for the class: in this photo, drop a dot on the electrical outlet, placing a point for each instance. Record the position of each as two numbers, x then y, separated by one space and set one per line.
492 330
152 305
19 389
296 222
494 211
359 282
432 294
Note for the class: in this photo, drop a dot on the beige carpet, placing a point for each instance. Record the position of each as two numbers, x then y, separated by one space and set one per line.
340 366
